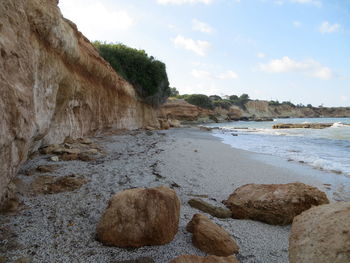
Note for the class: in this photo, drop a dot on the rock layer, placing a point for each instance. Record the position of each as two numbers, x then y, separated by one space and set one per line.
140 217
275 204
321 234
211 238
54 84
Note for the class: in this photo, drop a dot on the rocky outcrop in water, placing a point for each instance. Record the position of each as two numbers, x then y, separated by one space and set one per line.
54 84
302 125
275 204
321 234
140 217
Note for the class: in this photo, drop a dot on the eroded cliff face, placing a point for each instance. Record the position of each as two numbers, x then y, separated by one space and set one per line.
254 110
183 111
262 109
54 84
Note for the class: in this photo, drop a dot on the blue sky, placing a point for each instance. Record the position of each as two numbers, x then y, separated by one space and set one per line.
297 50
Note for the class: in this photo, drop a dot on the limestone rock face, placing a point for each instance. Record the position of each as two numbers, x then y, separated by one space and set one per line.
211 238
54 84
275 204
198 259
182 110
140 217
321 234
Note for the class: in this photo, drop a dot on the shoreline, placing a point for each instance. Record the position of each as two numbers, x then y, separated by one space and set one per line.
61 227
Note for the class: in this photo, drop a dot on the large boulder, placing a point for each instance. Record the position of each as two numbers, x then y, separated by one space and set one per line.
321 234
275 204
140 217
198 259
211 238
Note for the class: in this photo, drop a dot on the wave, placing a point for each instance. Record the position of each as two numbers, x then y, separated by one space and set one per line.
340 125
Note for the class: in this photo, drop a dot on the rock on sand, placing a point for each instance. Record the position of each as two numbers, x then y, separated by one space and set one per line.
140 217
275 204
321 234
211 238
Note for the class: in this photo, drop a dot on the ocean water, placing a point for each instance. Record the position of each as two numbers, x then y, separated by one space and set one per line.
325 149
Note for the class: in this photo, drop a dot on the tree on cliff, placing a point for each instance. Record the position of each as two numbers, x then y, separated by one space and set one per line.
146 74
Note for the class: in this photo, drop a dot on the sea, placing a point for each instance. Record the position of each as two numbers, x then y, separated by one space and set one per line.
324 149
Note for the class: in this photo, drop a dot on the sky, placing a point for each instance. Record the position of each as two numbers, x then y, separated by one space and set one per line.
286 50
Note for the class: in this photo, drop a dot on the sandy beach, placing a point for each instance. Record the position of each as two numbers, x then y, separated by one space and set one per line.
61 227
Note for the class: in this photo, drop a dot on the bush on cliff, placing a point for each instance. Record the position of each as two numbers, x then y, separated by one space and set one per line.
225 104
146 74
200 100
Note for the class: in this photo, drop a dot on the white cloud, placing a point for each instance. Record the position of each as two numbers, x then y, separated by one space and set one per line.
96 20
201 26
326 27
203 74
344 98
200 74
297 24
180 2
261 55
229 74
314 2
199 47
308 67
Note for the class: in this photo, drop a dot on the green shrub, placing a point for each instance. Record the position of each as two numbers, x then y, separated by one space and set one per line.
200 100
225 104
147 75
174 92
239 101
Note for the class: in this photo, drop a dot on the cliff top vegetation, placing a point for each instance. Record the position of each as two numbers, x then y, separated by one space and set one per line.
144 72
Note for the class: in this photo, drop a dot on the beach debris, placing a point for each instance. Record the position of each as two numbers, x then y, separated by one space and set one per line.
218 212
138 260
174 185
209 259
140 217
56 184
47 168
149 133
275 204
321 234
211 238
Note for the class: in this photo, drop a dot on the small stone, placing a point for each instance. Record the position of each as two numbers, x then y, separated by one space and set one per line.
211 238
54 159
218 212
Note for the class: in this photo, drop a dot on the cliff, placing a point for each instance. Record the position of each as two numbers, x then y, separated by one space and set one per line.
262 109
253 110
54 84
